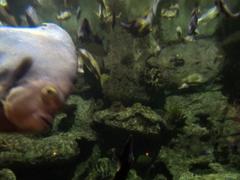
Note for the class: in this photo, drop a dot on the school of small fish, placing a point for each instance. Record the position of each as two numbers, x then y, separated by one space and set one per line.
90 43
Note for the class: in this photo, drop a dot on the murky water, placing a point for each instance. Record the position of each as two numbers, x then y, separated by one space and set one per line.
119 89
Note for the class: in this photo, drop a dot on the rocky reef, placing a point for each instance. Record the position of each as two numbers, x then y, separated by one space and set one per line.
177 98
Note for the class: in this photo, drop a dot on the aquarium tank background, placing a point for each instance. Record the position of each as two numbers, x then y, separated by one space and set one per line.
156 92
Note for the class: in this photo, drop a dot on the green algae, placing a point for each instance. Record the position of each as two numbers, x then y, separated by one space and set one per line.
196 125
137 119
7 174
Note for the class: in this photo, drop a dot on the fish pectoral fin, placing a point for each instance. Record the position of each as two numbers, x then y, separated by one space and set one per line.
3 73
22 68
1 104
14 76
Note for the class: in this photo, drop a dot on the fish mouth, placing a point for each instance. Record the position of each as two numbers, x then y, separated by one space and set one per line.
47 120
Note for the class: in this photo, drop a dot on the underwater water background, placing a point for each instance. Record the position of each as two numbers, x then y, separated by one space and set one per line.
158 98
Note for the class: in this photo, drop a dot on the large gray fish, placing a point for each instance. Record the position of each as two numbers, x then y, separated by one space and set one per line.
37 69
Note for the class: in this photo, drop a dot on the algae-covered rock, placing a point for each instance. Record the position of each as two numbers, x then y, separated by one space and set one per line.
218 176
125 63
194 79
7 174
76 118
195 135
200 110
96 167
19 149
194 64
103 169
194 142
82 115
132 175
137 119
55 147
179 161
160 177
84 168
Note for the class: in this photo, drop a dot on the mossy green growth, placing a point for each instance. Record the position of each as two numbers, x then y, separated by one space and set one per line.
192 80
54 147
156 78
16 148
217 176
180 161
159 177
138 118
174 114
132 175
193 144
96 167
104 168
83 168
7 174
143 160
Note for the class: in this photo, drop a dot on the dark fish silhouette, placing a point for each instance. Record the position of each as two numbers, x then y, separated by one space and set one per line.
31 16
6 17
78 12
17 74
19 13
84 32
90 41
193 24
223 8
126 160
142 26
113 19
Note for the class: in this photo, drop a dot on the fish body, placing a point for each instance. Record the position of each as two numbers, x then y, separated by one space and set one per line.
208 16
142 26
31 16
219 8
193 24
126 160
138 28
223 8
91 63
16 13
63 16
31 101
90 41
78 12
84 32
6 17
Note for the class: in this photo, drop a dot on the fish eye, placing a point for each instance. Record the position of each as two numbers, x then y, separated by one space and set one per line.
49 91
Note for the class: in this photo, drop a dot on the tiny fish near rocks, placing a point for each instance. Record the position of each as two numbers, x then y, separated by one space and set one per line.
37 69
